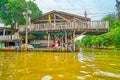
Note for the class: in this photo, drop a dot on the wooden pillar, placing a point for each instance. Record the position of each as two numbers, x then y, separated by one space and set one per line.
48 39
54 21
62 43
26 39
66 40
74 40
19 40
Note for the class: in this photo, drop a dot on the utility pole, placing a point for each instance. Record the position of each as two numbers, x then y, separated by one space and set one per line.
118 8
28 23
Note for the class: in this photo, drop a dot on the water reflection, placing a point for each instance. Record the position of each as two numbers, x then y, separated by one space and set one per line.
83 57
108 74
80 57
88 65
47 77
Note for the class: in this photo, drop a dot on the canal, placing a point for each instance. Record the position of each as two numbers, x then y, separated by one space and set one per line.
89 64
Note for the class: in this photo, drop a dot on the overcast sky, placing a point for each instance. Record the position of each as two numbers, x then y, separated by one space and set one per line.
96 9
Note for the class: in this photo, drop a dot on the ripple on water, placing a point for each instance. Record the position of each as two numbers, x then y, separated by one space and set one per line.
83 66
60 75
81 77
90 76
91 65
112 64
84 72
109 74
47 77
0 73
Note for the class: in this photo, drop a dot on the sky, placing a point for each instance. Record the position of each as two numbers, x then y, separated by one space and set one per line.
96 9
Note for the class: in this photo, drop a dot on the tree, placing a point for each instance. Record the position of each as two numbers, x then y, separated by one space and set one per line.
79 43
87 41
96 41
34 9
13 12
111 18
118 8
117 34
3 3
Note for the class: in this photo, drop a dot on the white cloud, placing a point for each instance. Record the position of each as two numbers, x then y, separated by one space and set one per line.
94 8
46 5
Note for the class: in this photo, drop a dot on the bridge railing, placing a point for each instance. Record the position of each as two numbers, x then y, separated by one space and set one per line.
9 37
68 25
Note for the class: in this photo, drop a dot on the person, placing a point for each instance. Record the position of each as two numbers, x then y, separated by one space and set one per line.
56 44
53 45
76 47
16 47
70 49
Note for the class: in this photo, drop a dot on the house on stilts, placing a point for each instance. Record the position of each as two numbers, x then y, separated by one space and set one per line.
52 27
61 26
8 38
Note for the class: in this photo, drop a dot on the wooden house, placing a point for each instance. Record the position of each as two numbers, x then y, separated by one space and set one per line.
8 37
58 25
54 19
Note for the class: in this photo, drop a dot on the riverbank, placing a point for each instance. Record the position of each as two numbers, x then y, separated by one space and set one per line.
42 50
105 48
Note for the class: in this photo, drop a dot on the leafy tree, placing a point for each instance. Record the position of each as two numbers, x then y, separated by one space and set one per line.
86 41
13 12
3 3
111 18
106 40
96 40
79 43
117 34
34 9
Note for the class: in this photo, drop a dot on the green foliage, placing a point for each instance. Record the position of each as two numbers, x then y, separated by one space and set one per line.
35 10
13 12
79 43
111 18
87 41
3 3
106 40
96 40
117 36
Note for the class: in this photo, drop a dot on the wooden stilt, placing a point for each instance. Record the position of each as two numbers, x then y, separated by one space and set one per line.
74 40
19 40
48 39
62 41
54 21
66 40
26 39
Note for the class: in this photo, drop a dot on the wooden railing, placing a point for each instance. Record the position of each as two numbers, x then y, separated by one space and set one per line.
9 37
68 25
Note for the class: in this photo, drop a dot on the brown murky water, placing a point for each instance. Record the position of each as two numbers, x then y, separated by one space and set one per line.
88 65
